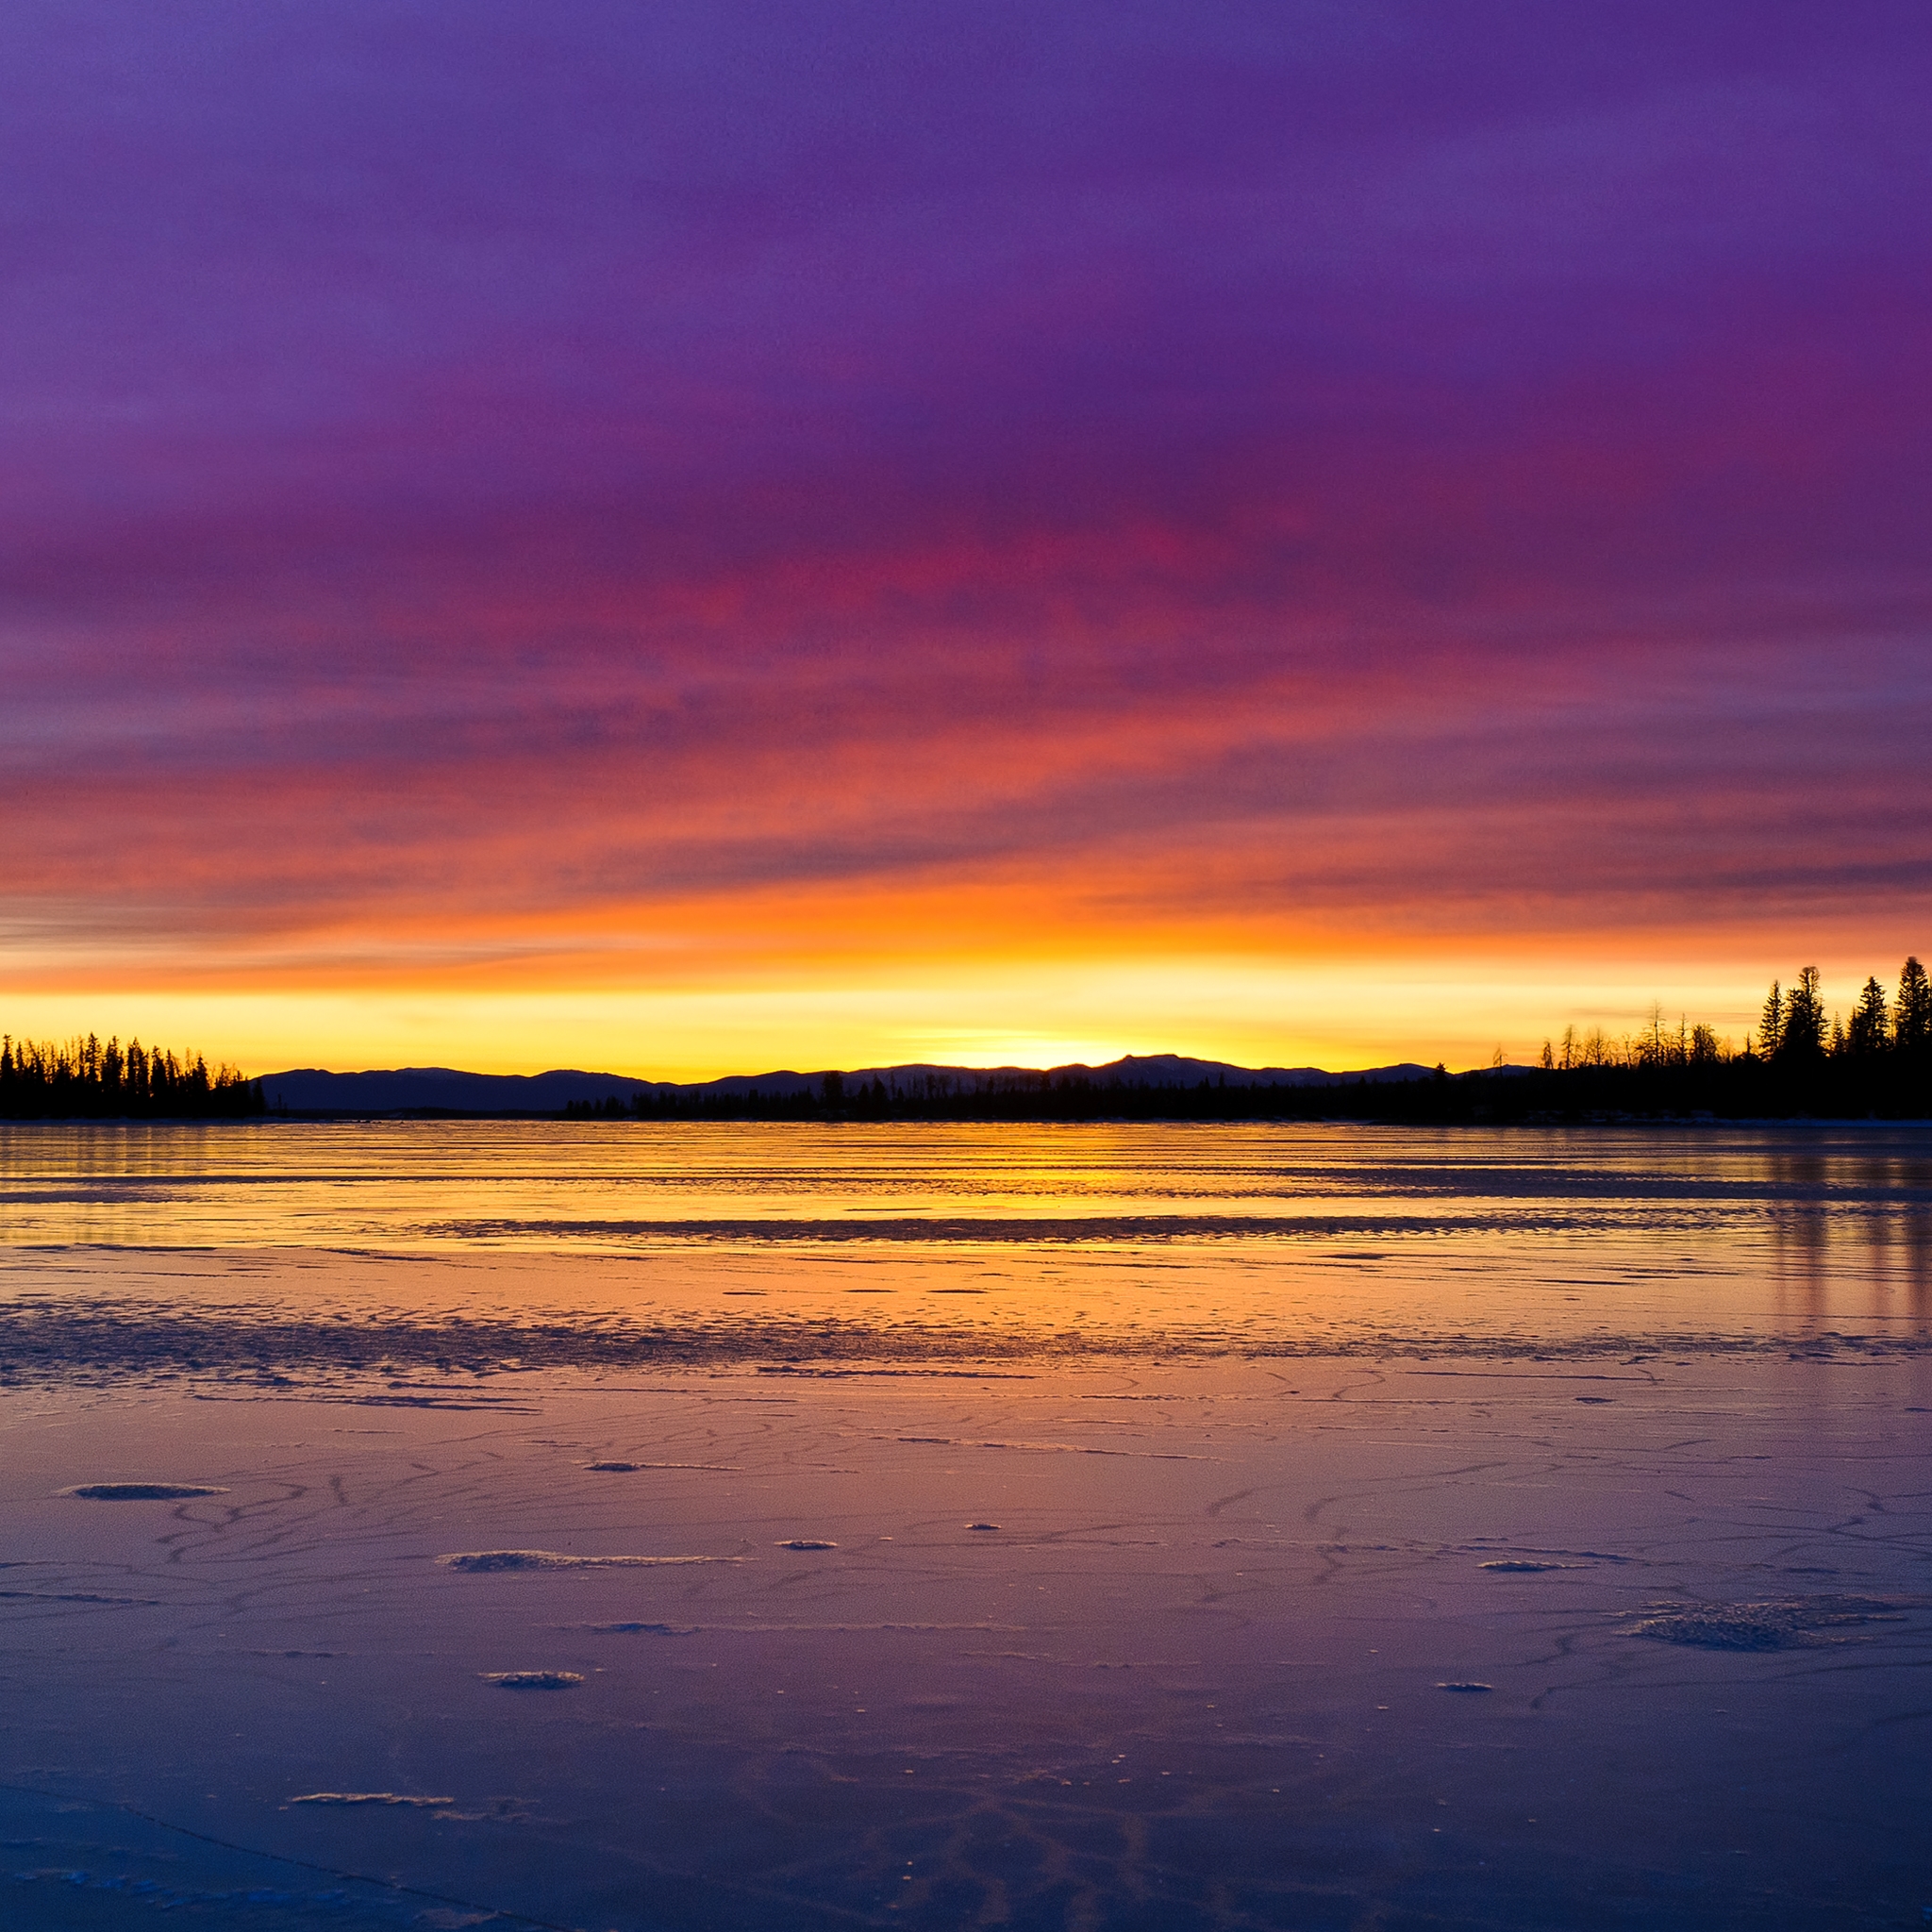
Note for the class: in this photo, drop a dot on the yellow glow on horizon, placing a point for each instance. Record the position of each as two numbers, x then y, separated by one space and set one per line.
1332 1011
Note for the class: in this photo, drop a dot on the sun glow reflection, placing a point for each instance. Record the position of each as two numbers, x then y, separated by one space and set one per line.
1341 1013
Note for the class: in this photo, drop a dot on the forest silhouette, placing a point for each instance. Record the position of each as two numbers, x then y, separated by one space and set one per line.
83 1078
1800 1062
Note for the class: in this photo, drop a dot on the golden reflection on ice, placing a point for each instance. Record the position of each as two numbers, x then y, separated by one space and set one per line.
1230 1238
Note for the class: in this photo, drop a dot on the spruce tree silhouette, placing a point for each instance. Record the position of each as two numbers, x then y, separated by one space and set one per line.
1870 1031
1804 1030
1912 1025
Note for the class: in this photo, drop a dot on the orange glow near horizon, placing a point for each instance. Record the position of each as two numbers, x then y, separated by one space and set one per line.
1327 587
1452 1004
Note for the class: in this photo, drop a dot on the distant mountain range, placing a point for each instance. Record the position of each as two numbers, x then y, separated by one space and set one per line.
445 1089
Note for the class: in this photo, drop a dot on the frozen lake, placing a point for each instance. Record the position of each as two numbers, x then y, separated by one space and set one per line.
941 1526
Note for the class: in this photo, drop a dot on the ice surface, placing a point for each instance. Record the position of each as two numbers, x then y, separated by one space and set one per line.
141 1492
1258 1495
487 1561
370 1798
1771 1625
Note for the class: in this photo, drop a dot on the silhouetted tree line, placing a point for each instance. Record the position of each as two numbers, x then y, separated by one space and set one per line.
1792 1030
86 1079
1802 1061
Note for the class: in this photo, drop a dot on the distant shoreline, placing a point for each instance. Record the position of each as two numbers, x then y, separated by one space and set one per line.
1663 1078
1744 1086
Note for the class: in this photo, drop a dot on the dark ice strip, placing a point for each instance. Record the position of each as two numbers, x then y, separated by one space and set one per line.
84 1342
955 1230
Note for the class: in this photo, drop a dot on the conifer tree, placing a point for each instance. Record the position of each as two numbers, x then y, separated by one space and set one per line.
1770 1027
1804 1034
1870 1029
1911 1028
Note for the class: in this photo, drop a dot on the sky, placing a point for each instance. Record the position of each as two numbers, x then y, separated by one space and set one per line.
691 537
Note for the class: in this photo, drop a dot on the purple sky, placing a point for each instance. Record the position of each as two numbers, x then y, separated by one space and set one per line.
485 484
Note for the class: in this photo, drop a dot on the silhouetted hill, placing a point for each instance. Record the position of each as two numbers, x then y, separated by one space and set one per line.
447 1089
443 1089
